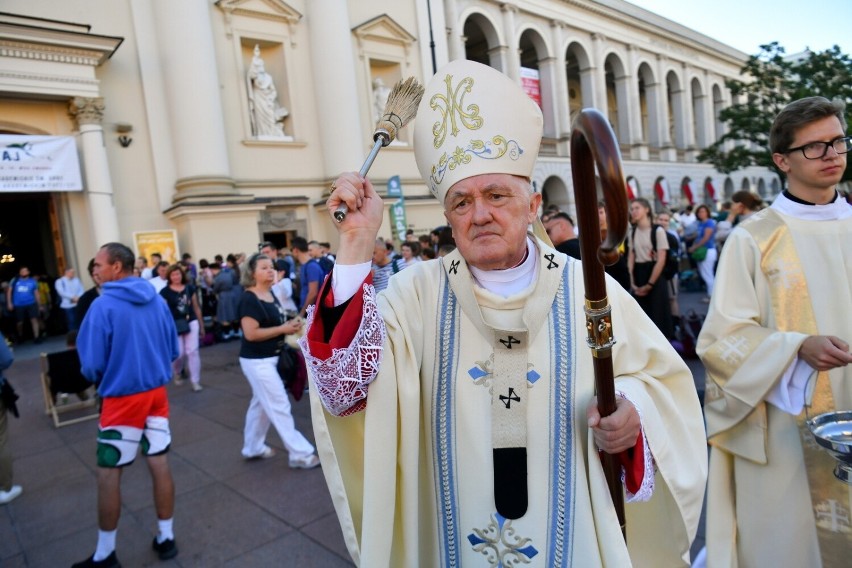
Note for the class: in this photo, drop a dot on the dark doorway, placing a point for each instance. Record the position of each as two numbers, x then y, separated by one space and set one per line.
281 239
27 234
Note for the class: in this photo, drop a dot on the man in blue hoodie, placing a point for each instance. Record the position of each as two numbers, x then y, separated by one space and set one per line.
126 345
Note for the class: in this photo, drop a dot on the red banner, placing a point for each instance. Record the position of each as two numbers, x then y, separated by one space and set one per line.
531 84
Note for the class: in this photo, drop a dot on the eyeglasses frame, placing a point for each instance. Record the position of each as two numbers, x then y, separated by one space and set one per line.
827 145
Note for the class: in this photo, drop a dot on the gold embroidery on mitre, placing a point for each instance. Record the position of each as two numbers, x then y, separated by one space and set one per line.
451 105
493 149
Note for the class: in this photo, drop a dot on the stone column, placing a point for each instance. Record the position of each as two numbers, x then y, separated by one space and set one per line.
89 112
705 118
513 58
563 116
589 87
343 142
688 113
633 106
625 106
498 58
599 72
455 31
653 94
552 106
193 98
668 153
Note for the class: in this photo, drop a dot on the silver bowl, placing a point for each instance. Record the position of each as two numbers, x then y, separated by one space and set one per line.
833 432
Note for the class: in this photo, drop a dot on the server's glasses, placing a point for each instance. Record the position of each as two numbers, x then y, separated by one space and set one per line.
818 150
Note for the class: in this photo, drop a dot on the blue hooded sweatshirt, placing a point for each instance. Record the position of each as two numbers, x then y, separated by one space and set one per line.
128 339
6 357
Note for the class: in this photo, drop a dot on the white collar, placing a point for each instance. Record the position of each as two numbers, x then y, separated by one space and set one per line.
837 209
511 280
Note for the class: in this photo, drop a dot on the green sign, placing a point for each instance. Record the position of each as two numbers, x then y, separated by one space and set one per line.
397 210
394 187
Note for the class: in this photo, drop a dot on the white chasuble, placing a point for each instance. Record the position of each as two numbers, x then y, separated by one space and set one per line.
412 476
772 497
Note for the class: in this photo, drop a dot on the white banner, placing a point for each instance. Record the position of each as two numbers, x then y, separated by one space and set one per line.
39 163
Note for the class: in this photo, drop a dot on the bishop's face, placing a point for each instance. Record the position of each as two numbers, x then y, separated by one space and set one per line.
489 215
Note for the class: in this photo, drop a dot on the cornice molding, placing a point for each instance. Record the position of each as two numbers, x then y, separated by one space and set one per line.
663 28
55 45
664 32
41 52
36 77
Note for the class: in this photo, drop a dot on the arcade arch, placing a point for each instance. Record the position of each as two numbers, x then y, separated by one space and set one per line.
634 189
775 187
579 75
481 41
728 188
688 192
674 94
663 198
534 55
555 192
649 105
710 192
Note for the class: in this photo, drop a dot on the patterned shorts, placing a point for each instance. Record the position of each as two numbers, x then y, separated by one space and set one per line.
128 421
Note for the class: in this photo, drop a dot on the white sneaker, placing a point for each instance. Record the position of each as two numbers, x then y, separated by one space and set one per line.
10 495
197 387
264 455
309 462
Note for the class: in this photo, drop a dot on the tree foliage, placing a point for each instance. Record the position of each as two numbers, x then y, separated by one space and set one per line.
770 81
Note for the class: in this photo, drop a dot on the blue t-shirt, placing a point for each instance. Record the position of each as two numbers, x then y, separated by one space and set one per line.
702 227
23 294
309 272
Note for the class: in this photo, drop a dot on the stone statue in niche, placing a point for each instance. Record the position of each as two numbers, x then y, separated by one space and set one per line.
267 116
380 98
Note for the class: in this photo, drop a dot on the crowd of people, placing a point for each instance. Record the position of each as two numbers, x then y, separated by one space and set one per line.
483 436
664 251
206 294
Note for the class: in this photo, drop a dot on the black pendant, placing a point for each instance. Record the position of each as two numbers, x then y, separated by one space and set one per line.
510 482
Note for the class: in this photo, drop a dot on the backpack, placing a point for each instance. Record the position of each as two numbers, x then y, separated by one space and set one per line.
326 264
672 266
690 327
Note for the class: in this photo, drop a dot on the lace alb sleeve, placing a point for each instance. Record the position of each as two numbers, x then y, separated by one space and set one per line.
646 489
341 380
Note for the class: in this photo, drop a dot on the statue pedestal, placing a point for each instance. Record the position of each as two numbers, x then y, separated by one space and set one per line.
268 138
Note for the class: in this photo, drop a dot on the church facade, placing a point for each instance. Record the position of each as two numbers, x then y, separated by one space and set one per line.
216 124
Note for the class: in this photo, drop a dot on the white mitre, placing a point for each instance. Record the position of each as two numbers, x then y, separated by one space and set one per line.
474 120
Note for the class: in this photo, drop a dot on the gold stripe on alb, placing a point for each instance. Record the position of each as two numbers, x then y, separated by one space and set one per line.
793 308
